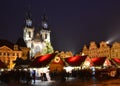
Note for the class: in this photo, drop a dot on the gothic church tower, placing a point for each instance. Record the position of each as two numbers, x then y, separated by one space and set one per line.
28 32
45 32
37 42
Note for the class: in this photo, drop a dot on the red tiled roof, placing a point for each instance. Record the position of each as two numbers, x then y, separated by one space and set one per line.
42 61
98 61
116 60
75 60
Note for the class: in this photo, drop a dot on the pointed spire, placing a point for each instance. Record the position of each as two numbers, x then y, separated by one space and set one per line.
28 18
28 14
44 21
44 17
85 47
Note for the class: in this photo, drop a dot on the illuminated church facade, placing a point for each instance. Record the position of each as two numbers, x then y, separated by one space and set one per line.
37 40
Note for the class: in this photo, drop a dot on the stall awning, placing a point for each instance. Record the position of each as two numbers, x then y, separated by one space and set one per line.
98 61
75 60
42 61
116 61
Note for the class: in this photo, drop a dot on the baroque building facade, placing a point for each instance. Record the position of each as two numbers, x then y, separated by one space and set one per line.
102 50
115 50
38 41
9 52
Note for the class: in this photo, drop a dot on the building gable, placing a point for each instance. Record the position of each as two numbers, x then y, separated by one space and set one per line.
5 48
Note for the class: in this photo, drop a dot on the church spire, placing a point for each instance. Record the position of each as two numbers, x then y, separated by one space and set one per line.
28 18
44 21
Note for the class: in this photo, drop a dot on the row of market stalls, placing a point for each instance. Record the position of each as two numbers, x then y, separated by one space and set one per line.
55 63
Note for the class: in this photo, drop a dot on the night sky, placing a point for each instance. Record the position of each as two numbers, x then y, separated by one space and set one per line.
73 22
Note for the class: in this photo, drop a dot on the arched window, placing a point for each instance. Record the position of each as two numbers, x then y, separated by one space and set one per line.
29 34
45 36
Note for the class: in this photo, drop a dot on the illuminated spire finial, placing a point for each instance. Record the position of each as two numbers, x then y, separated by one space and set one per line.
28 18
44 21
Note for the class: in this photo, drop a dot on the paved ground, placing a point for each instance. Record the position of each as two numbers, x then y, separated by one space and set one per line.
69 82
80 82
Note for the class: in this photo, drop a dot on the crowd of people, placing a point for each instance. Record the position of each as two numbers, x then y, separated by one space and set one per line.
26 76
16 76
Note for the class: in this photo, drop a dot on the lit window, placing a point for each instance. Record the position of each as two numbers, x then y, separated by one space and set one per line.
17 54
29 34
8 54
45 36
4 54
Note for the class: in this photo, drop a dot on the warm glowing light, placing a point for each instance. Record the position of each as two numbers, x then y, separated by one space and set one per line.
44 70
87 63
1 69
113 38
57 59
107 63
83 54
68 69
108 42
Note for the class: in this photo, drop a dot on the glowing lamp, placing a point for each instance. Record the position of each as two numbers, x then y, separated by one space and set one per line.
107 42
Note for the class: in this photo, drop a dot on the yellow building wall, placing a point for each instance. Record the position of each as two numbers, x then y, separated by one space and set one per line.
102 50
8 55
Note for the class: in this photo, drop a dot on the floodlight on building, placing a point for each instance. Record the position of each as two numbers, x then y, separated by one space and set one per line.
83 54
108 42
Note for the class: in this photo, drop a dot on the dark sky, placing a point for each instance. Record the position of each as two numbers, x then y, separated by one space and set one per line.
73 22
